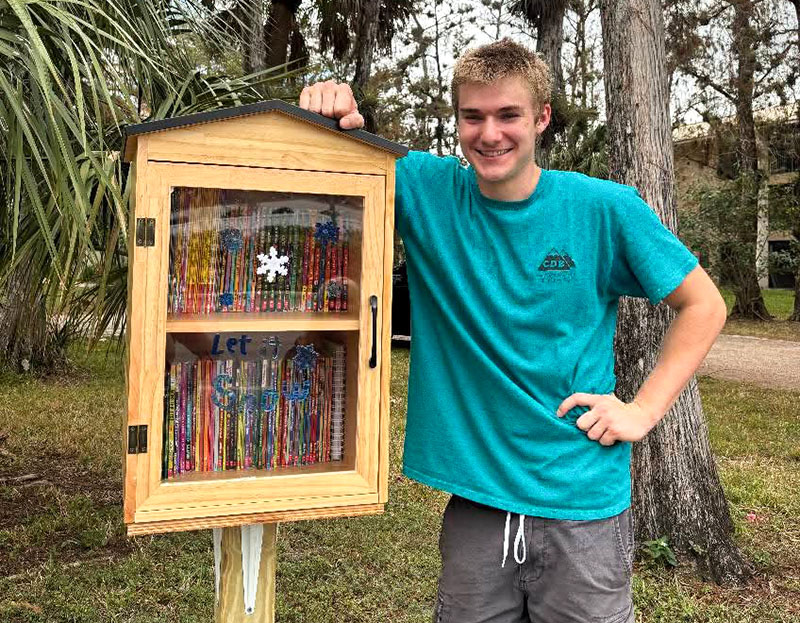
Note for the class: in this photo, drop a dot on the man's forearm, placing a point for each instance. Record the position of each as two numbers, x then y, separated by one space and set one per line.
686 344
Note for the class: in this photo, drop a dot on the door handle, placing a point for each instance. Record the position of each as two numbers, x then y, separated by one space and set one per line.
373 303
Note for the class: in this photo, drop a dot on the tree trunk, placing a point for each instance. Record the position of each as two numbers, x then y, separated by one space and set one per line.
364 52
280 25
676 487
255 51
26 342
796 233
439 107
582 54
548 44
795 316
551 38
749 302
762 218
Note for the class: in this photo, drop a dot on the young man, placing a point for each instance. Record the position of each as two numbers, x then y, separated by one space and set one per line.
515 274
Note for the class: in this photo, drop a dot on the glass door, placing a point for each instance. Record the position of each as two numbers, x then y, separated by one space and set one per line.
265 359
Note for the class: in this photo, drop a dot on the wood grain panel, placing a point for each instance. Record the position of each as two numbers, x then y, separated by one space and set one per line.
205 498
158 527
369 379
135 333
386 334
304 499
270 140
264 321
230 607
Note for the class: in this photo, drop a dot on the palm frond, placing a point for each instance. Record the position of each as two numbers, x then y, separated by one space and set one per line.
72 73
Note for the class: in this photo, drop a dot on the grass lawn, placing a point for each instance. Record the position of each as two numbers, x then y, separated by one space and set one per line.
780 304
65 557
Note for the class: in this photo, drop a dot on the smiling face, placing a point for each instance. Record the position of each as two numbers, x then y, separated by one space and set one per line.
497 127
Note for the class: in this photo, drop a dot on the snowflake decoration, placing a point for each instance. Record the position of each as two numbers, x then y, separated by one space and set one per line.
226 299
327 232
306 356
334 289
231 239
272 264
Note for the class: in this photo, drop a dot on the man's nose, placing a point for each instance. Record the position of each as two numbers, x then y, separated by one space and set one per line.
490 132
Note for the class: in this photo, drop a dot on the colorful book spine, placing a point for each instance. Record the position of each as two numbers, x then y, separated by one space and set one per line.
232 414
306 268
345 260
335 432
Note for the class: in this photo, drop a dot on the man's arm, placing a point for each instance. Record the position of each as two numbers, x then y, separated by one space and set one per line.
701 316
333 100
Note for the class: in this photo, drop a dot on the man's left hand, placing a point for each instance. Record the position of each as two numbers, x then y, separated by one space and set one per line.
609 419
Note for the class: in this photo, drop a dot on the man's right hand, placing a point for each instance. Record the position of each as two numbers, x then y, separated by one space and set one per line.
333 100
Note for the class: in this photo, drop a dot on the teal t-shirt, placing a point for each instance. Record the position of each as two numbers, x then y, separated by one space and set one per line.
513 308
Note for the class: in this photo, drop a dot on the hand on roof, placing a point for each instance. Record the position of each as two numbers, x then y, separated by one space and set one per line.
333 100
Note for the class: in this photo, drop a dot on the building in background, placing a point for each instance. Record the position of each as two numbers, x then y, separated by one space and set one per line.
705 155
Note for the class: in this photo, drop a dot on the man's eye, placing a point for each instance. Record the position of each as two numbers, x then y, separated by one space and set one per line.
510 115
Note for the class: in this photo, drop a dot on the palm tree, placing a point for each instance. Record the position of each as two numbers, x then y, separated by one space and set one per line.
270 34
356 29
547 16
71 74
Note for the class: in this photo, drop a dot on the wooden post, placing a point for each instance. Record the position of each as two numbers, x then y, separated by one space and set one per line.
230 607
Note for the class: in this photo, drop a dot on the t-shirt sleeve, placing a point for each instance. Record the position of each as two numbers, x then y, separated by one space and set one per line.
418 177
649 260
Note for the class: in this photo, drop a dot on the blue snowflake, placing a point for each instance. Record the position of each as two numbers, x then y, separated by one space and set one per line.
231 239
226 299
306 356
327 232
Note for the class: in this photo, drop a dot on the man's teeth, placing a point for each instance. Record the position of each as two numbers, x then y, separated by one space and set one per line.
495 152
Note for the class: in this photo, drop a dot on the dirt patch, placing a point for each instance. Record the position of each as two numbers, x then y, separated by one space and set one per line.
762 591
51 471
761 361
57 507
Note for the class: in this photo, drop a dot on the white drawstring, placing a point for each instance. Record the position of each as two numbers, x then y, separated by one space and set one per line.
520 538
505 538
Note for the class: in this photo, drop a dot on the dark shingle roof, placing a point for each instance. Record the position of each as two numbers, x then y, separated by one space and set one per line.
261 107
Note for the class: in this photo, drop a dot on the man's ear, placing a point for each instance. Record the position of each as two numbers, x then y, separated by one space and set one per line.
543 120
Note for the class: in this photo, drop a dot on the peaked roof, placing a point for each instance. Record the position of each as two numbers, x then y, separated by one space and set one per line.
254 109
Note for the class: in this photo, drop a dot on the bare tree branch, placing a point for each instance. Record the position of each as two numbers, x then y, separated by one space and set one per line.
705 81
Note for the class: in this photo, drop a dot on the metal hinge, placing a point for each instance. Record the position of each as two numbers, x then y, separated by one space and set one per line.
145 232
137 439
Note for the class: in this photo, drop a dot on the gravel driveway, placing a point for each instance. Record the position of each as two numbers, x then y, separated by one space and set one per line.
762 361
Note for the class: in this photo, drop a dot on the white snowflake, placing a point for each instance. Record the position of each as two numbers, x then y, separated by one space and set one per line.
272 264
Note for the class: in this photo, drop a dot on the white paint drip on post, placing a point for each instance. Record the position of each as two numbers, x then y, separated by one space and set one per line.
217 560
251 561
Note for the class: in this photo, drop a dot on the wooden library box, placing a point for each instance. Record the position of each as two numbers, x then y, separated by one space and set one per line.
259 298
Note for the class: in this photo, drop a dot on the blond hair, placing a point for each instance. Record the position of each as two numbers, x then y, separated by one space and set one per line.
501 59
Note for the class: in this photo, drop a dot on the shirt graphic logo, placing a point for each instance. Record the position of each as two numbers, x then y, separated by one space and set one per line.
556 267
556 260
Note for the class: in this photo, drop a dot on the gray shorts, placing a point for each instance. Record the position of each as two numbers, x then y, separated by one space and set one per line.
571 571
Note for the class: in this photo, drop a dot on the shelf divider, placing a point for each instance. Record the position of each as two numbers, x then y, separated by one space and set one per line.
265 321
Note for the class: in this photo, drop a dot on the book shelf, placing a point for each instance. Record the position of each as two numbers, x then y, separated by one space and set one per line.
260 262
